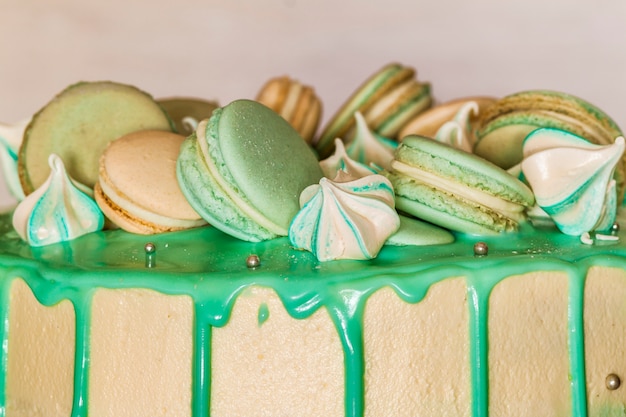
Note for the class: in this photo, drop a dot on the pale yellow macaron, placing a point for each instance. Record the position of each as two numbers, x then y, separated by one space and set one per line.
137 187
428 123
295 102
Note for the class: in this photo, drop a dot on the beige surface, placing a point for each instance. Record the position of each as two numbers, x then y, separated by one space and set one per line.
227 49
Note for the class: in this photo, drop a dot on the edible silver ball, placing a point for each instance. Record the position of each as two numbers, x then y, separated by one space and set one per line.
613 382
150 248
481 249
253 261
615 228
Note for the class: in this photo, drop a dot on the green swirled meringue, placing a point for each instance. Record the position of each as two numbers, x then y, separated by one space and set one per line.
341 161
345 220
457 132
369 148
58 211
10 141
572 179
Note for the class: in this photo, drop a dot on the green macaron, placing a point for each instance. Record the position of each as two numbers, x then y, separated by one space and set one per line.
388 100
502 127
243 171
455 189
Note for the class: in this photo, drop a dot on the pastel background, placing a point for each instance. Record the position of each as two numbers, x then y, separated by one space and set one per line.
226 49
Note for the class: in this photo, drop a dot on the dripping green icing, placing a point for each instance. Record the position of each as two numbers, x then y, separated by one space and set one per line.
215 274
264 314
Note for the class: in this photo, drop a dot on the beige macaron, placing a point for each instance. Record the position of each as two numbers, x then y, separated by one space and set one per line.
295 102
137 187
428 123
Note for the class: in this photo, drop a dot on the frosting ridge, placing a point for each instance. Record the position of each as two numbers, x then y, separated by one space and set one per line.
10 141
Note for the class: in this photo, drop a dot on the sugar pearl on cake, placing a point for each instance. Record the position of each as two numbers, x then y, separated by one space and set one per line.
615 228
481 249
150 248
253 261
613 382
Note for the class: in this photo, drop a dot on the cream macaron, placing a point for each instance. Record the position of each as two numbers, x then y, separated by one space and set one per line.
137 187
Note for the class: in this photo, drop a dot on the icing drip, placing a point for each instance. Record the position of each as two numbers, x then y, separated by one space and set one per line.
349 220
10 141
58 211
369 148
457 132
572 179
341 161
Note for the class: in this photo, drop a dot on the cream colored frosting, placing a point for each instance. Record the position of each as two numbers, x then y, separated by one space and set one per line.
341 161
10 141
572 179
59 210
369 149
457 132
347 220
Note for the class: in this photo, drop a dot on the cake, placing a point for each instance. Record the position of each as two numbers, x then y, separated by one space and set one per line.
200 323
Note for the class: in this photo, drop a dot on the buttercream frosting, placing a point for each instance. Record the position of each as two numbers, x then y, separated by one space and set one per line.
10 141
368 148
346 220
58 211
341 161
572 179
457 132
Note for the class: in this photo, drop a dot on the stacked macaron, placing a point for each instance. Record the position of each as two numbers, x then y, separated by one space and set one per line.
295 102
387 100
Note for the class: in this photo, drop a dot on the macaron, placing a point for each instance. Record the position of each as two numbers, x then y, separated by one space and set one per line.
295 102
79 123
137 188
428 122
387 100
455 189
187 112
243 171
502 127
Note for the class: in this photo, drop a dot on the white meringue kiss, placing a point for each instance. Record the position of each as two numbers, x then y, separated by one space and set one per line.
349 220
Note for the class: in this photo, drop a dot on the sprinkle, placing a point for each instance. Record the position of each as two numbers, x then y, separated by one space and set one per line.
253 261
611 238
586 239
613 382
481 249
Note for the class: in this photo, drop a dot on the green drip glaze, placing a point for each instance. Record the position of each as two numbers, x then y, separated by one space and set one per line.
201 384
215 274
264 314
82 306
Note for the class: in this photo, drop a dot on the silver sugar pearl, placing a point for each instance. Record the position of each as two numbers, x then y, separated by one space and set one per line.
150 248
615 228
481 249
253 261
613 382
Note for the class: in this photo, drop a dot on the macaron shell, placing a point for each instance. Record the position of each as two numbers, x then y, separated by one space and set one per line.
428 122
414 232
267 160
78 124
141 167
462 167
210 200
180 109
364 97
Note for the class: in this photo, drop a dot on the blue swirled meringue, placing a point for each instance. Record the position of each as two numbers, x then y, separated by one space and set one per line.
10 141
348 220
572 179
457 132
58 211
369 148
341 161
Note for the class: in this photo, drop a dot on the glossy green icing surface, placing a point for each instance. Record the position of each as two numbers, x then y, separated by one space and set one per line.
211 267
